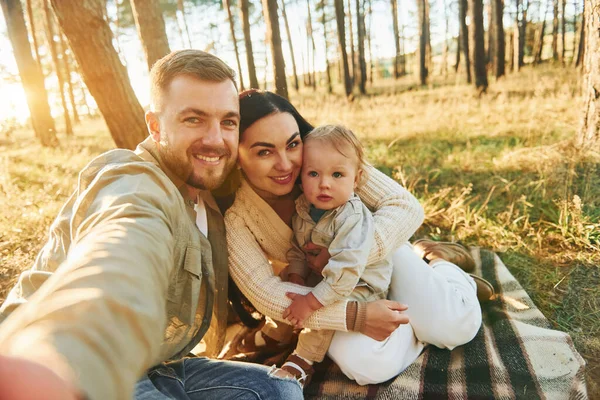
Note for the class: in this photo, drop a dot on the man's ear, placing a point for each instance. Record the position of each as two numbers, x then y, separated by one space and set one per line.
153 125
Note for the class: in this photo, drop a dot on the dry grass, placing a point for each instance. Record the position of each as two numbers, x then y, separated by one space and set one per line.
498 171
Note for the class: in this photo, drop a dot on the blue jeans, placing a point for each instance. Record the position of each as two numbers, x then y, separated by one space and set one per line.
207 379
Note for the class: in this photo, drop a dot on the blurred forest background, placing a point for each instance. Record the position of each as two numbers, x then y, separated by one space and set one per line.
487 110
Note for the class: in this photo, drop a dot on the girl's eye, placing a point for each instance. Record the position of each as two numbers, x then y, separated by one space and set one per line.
337 175
263 153
313 174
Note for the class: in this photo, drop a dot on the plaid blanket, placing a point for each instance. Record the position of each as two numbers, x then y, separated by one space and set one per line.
515 355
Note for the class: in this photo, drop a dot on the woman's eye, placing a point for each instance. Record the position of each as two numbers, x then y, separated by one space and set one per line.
294 144
337 175
263 153
313 174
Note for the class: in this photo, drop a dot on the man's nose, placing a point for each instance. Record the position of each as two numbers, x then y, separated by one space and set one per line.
213 135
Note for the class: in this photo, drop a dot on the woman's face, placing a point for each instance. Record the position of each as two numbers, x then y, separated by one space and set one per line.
270 154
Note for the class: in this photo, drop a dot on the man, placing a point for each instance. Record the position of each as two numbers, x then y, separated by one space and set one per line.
135 269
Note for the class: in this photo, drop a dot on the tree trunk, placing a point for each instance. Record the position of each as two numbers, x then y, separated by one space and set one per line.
371 58
327 65
491 36
563 26
555 31
581 47
66 64
341 28
478 51
312 41
394 4
423 38
351 39
444 69
57 67
181 8
90 39
458 50
589 133
520 29
274 39
360 29
511 51
574 54
233 38
31 76
500 39
289 37
36 45
245 18
151 28
539 40
463 6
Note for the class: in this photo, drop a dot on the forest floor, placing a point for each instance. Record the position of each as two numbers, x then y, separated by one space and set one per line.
498 171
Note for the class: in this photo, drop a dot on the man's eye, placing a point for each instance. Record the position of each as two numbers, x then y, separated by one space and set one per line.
230 123
313 174
192 120
337 175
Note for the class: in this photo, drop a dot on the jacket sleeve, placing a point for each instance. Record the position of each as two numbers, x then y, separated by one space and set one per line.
349 251
100 318
251 271
396 212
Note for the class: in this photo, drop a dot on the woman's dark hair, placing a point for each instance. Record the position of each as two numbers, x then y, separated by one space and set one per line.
256 104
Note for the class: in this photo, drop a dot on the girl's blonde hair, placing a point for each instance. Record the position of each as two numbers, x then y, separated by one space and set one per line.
343 139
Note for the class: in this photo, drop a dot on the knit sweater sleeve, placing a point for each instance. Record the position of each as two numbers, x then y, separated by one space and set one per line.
251 271
397 213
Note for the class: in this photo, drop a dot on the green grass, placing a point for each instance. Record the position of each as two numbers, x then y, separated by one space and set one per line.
498 171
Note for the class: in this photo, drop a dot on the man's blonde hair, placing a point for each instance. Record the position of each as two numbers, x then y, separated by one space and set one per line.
343 140
196 63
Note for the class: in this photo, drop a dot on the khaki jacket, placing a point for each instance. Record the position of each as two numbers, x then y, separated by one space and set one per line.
125 281
348 233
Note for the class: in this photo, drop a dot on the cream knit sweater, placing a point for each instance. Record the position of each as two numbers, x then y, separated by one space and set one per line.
256 234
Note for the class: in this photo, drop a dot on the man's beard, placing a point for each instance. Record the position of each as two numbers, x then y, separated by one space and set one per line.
182 166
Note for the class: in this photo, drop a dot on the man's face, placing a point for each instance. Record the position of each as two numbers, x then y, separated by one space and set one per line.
197 130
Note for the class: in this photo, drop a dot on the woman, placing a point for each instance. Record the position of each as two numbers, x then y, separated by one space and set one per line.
442 305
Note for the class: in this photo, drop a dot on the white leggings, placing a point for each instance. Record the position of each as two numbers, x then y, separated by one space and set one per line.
443 311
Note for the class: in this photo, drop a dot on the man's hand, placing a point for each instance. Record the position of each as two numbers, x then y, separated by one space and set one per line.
317 257
21 379
383 318
297 279
301 308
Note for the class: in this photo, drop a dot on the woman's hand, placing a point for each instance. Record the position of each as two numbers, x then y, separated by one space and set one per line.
317 257
383 318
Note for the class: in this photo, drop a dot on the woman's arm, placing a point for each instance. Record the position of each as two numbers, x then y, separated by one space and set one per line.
251 271
397 213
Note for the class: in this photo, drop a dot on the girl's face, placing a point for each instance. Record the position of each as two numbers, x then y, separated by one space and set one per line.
270 154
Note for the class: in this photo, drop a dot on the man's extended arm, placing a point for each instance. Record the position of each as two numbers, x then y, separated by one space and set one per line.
98 322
